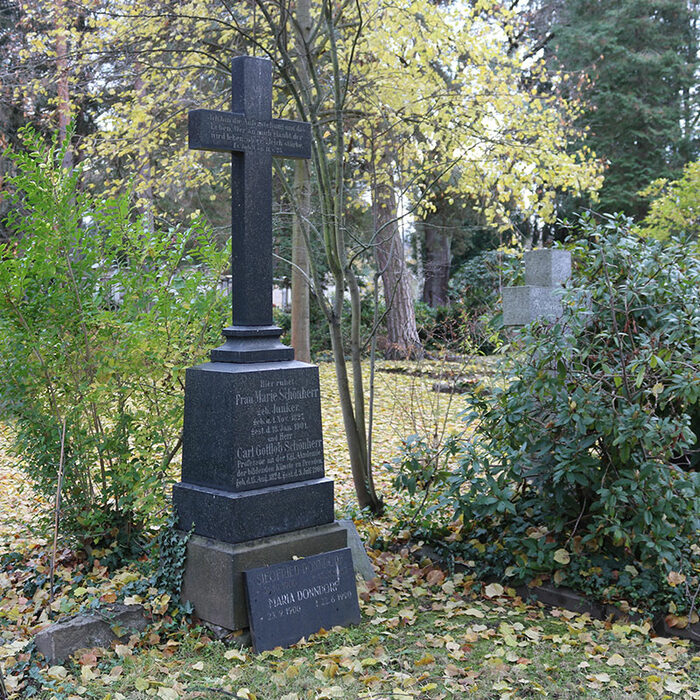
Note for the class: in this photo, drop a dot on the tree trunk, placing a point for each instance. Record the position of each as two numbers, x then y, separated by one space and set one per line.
144 185
402 334
63 107
301 321
300 264
436 268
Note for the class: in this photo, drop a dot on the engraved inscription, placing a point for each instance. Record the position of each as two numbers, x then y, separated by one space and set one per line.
323 589
293 599
279 449
234 132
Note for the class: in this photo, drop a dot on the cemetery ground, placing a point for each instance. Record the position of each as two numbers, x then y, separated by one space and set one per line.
424 634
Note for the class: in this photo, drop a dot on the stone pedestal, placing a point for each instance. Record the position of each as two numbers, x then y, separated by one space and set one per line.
253 488
546 271
213 580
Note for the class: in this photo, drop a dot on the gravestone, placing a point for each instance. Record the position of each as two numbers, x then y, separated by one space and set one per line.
546 271
294 599
253 488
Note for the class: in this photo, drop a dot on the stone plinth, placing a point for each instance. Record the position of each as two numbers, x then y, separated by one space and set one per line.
213 579
546 271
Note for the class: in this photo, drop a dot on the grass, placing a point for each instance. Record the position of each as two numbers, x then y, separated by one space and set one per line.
423 634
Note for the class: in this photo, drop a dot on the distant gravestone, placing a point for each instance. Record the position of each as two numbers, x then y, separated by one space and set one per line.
253 487
294 599
546 271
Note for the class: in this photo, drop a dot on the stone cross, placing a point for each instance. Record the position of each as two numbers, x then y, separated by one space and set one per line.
252 137
546 271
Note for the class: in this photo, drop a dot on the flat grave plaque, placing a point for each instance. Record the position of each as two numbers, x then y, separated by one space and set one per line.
294 599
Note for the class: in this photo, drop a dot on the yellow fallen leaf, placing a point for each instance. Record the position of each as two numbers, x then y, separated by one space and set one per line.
616 660
87 674
562 556
235 654
167 694
673 686
425 660
474 612
57 673
141 684
675 578
493 590
199 666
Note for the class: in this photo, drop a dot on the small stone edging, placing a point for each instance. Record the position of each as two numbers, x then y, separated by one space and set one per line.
62 639
575 602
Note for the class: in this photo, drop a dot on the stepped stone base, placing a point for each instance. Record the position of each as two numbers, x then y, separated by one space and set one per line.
240 517
213 578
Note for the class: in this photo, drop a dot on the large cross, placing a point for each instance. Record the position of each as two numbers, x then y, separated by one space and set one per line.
252 137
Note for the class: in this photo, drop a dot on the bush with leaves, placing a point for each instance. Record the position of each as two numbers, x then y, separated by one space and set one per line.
581 468
99 317
579 454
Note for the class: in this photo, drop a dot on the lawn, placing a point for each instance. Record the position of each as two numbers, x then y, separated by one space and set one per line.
424 634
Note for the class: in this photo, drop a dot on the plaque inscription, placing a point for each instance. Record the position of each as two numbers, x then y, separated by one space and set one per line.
293 599
276 447
227 131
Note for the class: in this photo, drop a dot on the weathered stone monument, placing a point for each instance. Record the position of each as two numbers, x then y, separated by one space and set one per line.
253 485
546 271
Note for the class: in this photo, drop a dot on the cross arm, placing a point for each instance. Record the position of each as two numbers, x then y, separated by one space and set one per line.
211 130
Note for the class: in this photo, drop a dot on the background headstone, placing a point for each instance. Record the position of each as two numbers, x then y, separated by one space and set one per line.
546 272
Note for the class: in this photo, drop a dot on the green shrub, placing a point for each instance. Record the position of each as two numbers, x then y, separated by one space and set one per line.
580 468
579 449
99 317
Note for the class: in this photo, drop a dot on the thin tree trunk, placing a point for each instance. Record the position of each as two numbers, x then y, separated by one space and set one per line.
144 187
301 321
63 107
436 268
402 334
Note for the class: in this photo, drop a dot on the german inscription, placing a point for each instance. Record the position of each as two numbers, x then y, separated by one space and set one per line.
227 131
293 599
264 427
279 449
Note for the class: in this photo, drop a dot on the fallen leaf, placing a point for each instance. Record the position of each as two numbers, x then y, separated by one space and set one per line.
493 590
616 660
562 556
57 673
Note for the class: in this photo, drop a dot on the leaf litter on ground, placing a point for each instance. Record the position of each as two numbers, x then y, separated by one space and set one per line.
424 634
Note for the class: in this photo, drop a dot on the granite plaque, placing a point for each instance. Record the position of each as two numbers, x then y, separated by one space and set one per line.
297 598
252 426
210 130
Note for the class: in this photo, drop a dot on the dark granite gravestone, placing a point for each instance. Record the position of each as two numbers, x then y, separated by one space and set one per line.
294 599
253 487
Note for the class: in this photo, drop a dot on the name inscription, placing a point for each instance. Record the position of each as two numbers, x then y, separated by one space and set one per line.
293 599
279 447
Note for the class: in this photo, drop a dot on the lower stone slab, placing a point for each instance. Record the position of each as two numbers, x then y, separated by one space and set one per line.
522 305
240 517
213 578
58 641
